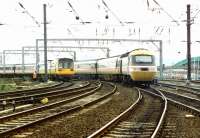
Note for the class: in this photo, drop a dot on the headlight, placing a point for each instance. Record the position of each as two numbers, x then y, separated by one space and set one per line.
152 69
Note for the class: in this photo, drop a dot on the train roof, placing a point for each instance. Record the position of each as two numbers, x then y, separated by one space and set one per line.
141 51
64 58
137 51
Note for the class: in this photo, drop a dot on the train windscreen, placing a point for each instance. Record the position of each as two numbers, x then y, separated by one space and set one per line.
65 63
143 59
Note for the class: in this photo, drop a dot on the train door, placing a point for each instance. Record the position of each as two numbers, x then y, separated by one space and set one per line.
129 61
120 65
96 74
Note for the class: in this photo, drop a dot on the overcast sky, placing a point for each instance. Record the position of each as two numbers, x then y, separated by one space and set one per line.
137 19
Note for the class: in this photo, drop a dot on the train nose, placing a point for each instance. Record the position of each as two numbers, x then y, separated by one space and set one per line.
143 75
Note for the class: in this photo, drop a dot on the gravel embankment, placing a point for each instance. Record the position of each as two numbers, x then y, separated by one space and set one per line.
84 123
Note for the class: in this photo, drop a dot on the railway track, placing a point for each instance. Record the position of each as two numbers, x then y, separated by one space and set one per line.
21 92
53 96
26 94
178 119
34 96
182 118
27 118
180 123
187 88
192 101
145 121
172 80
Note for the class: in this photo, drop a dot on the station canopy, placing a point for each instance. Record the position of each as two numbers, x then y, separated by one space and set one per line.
183 63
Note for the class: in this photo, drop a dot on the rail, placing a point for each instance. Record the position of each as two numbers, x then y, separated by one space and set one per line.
55 114
162 116
115 120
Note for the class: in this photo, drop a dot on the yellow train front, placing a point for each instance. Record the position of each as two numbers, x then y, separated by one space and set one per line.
60 68
141 66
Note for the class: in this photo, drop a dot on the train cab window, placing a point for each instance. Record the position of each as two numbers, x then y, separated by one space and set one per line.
64 63
60 65
143 59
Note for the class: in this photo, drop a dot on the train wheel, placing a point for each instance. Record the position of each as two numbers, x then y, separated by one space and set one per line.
124 80
147 85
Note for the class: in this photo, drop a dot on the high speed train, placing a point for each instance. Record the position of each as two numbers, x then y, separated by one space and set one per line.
137 66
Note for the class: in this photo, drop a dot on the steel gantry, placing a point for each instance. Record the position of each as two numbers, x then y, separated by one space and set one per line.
13 52
27 50
66 47
1 58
